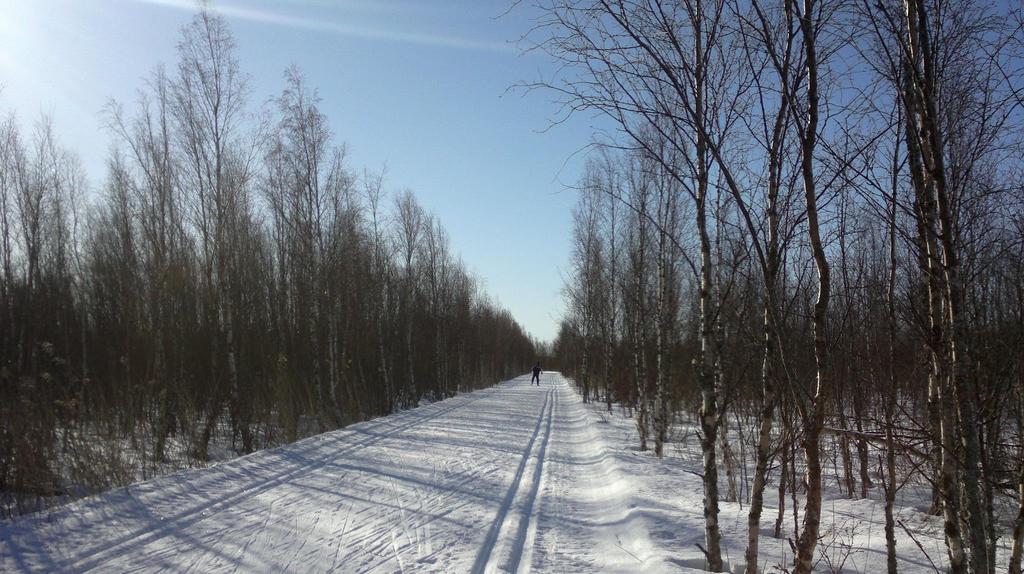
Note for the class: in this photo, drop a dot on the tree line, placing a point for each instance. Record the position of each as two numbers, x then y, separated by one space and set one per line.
808 231
232 281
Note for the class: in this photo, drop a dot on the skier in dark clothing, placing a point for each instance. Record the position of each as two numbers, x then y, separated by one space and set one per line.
536 374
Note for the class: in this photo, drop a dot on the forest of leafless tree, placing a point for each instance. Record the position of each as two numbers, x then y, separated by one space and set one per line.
229 284
807 235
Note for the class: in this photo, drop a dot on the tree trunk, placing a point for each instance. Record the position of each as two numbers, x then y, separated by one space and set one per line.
729 459
783 480
770 272
889 478
1018 525
661 390
957 388
709 395
814 414
848 481
862 444
764 438
640 372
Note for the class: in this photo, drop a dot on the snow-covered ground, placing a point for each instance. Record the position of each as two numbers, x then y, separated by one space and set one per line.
668 494
511 478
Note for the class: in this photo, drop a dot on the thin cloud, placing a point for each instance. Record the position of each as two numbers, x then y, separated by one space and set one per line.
366 6
364 32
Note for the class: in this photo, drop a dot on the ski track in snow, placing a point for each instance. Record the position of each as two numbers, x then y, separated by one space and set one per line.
508 479
515 478
502 548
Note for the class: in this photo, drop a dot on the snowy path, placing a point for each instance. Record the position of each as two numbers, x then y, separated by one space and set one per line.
512 478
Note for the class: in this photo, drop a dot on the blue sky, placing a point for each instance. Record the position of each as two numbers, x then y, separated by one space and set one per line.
418 86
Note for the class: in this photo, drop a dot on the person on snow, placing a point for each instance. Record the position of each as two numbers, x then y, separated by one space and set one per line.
536 374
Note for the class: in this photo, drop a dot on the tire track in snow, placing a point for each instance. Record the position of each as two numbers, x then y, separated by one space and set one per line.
140 537
499 540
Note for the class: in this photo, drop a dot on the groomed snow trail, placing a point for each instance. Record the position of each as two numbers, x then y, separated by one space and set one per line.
508 479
